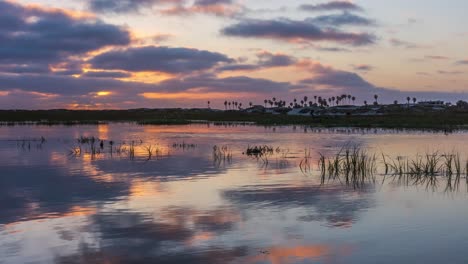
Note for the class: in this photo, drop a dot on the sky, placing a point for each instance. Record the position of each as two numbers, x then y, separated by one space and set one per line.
121 54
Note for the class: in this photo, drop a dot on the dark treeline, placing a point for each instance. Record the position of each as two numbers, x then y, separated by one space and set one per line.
451 118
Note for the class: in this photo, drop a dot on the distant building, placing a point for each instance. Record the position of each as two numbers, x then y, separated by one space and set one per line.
432 103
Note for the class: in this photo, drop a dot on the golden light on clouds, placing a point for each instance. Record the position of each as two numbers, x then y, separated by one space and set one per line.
149 77
103 93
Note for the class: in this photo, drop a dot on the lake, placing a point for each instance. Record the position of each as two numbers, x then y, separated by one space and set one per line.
190 194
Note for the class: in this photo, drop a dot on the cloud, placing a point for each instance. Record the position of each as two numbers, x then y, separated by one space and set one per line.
59 91
265 60
436 57
237 84
363 67
335 79
212 2
462 62
342 19
159 59
126 6
25 68
449 72
405 44
295 31
331 6
106 74
331 49
211 7
329 81
34 38
423 73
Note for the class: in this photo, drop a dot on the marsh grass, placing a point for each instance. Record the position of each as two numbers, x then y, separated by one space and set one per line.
262 153
221 155
352 165
184 145
149 150
428 169
304 165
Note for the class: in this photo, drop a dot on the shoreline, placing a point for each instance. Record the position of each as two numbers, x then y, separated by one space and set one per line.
440 120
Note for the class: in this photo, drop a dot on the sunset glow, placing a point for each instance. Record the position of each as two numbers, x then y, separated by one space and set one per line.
103 51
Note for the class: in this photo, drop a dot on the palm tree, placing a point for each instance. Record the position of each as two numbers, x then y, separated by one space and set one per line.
315 97
305 99
225 105
414 100
365 103
240 106
229 105
376 97
208 104
395 102
408 99
265 101
250 104
354 99
349 98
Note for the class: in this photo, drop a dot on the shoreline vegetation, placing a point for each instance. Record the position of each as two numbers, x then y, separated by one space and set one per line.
417 116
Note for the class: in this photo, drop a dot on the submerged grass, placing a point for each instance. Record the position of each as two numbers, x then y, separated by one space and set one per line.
352 164
221 155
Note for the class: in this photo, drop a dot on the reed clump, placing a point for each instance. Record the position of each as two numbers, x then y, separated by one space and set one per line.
304 165
221 155
352 164
259 151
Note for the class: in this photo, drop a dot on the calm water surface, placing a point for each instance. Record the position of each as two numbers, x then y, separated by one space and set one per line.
184 206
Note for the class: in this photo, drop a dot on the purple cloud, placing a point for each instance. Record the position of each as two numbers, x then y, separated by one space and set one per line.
265 60
34 39
331 6
126 6
159 59
294 30
462 62
342 19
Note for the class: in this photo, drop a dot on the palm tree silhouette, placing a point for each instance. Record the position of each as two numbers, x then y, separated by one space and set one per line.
414 100
265 101
376 97
208 104
225 105
354 99
250 104
408 99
